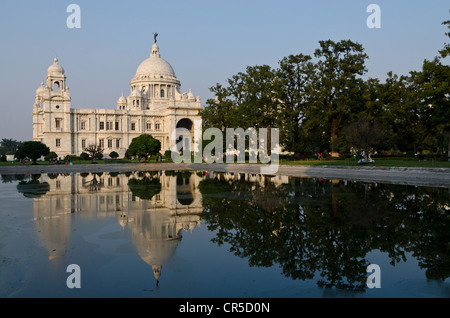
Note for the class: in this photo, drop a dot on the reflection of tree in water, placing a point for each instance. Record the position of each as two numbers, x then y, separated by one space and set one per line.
146 187
313 226
8 178
32 188
94 185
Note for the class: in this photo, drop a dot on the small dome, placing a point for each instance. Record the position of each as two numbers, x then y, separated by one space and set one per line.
155 65
41 90
55 68
122 100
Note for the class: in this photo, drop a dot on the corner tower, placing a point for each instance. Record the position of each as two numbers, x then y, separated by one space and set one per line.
51 111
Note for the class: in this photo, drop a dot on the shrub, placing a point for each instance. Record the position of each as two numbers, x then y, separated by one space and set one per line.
51 156
114 155
84 156
98 156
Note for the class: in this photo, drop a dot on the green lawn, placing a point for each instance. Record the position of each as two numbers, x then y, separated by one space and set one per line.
77 162
379 162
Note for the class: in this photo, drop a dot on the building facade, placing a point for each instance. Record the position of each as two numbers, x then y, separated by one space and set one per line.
154 106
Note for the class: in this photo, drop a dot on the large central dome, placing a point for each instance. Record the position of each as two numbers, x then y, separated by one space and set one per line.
155 65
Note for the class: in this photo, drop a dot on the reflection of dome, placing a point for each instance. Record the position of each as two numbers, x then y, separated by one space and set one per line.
155 65
55 68
157 252
156 238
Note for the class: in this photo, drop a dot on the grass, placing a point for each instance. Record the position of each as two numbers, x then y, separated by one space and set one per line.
379 162
77 162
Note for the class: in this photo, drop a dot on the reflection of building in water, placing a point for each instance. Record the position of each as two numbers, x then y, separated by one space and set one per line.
155 224
258 179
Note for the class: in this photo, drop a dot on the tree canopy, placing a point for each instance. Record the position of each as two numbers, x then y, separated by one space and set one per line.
33 150
313 100
143 146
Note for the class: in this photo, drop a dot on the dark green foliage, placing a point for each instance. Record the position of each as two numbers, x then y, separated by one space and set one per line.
312 227
143 146
9 146
84 156
51 156
144 188
114 155
33 150
313 101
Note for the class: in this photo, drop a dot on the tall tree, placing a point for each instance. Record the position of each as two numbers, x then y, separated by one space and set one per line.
9 145
364 134
434 92
249 101
293 86
337 86
402 112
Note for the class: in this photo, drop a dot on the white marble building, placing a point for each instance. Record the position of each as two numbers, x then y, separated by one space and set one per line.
154 106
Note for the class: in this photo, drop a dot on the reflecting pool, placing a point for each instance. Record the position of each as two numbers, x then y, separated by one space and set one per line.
205 234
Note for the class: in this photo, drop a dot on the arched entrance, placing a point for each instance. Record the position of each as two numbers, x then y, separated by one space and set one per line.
189 125
185 193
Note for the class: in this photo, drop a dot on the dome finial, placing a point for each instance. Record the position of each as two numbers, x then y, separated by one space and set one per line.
155 35
55 60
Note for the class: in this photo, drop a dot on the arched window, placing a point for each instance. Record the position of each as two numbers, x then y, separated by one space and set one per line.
56 87
162 93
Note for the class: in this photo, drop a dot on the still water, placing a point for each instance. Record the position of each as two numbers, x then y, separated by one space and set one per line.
204 234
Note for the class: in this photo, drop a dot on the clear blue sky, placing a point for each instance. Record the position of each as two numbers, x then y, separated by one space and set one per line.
206 42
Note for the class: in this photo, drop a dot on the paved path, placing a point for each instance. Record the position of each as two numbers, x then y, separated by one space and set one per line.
403 175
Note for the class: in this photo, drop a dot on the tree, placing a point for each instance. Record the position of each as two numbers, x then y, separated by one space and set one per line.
51 156
145 188
336 94
364 134
33 150
94 151
401 112
114 155
433 89
144 146
446 50
9 145
84 156
293 86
